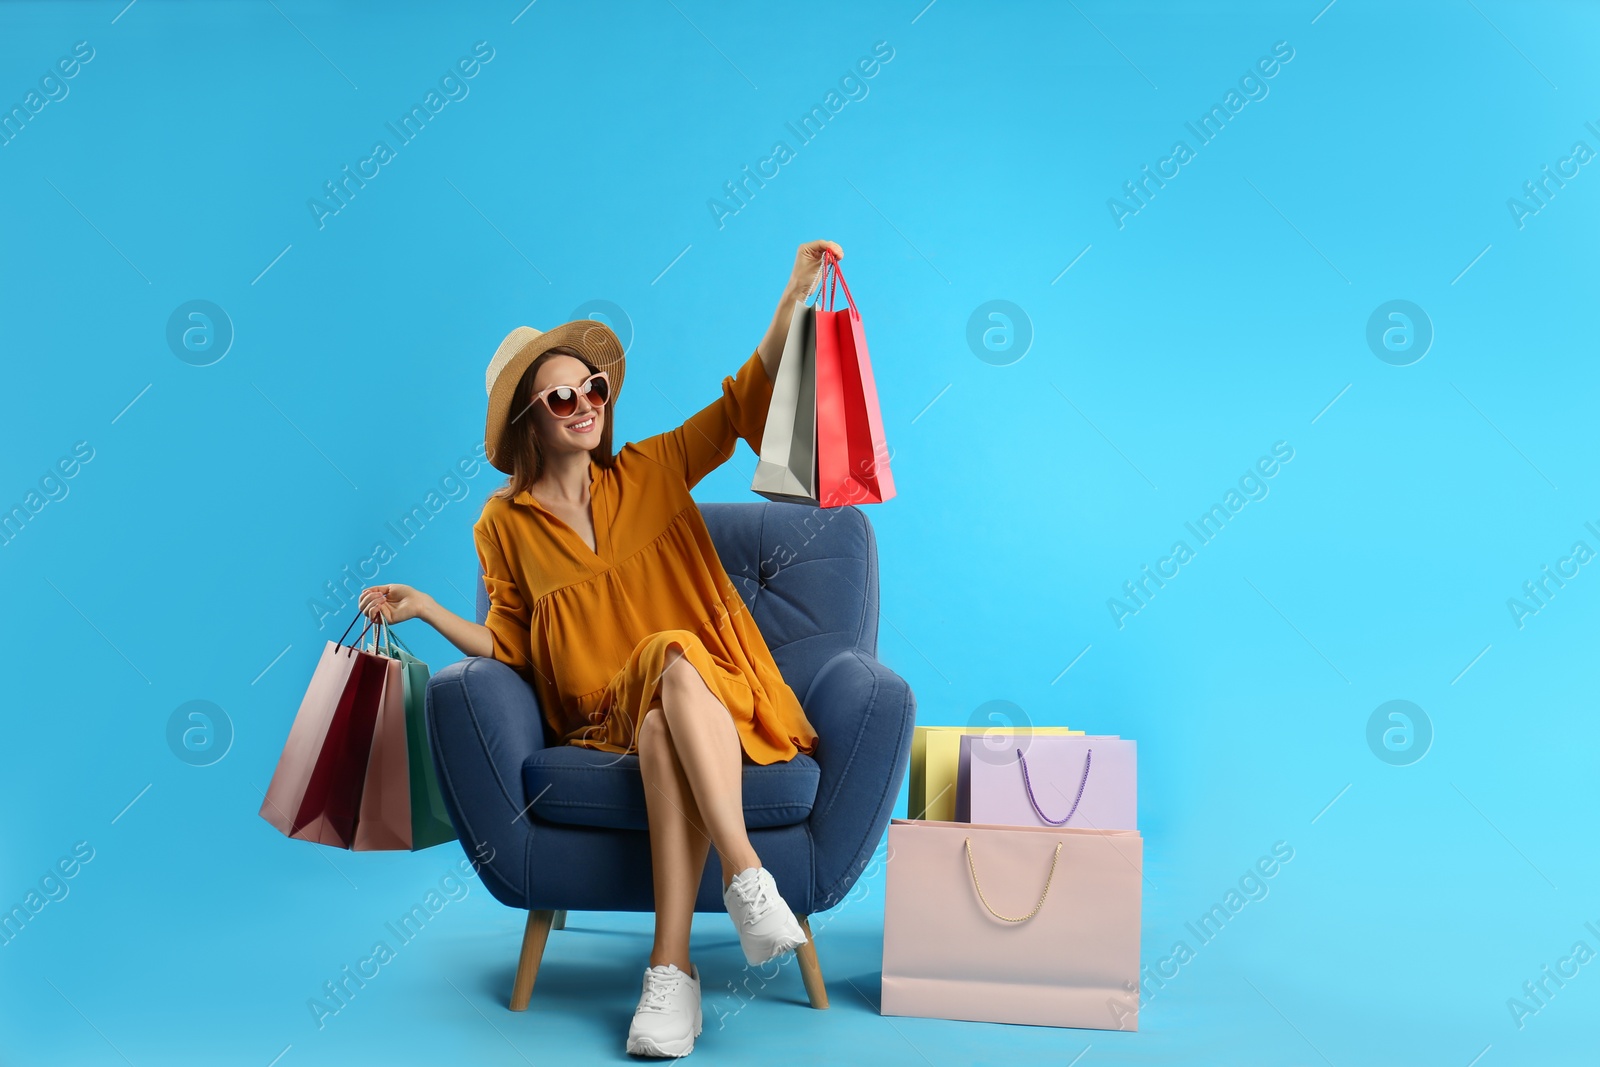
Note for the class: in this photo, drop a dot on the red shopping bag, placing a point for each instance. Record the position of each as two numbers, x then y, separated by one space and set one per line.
337 782
852 453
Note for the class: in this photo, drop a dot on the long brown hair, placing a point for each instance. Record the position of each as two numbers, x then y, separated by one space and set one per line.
521 440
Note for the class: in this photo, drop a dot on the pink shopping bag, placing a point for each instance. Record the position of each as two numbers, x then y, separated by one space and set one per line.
852 452
1012 924
1045 780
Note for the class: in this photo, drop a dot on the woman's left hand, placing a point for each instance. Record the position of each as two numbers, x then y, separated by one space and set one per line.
806 262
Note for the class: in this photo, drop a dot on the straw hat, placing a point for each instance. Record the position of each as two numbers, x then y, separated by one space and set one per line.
521 347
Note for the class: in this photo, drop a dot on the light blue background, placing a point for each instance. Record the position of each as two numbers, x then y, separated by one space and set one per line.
1225 316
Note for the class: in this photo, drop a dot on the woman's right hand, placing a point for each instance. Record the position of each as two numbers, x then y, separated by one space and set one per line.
394 601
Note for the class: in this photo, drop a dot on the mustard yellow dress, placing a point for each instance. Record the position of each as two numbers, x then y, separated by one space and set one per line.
590 629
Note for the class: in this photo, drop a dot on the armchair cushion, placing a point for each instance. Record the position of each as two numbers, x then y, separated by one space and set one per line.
586 787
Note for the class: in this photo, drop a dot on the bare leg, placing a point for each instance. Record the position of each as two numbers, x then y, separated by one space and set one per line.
678 842
712 760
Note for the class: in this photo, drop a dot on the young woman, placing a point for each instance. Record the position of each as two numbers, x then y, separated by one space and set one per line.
606 593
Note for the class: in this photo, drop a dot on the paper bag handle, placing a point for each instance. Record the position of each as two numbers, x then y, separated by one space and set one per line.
1048 879
830 262
814 289
1027 785
383 637
360 638
392 640
380 637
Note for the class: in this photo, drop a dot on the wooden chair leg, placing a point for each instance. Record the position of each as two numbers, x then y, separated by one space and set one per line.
533 937
810 970
560 922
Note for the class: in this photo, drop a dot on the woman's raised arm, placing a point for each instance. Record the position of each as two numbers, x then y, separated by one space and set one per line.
706 439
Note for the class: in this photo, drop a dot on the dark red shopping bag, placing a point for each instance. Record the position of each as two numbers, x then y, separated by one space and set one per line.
317 789
852 453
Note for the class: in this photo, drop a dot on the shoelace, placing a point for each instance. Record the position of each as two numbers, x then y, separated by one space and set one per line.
754 895
658 986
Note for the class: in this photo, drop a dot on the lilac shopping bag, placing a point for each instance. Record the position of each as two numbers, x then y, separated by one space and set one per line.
1048 780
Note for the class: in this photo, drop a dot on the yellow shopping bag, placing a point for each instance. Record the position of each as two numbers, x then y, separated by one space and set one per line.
935 752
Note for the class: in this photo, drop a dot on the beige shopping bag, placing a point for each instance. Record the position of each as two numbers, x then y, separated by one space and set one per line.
1012 924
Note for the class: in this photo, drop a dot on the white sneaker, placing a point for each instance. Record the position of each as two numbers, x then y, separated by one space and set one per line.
767 928
668 1017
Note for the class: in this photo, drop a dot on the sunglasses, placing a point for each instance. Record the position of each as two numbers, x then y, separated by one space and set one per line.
562 400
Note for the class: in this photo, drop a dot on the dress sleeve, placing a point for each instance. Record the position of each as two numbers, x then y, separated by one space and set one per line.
508 612
708 437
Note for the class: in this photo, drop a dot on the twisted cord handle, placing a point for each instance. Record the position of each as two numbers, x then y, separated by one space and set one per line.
816 285
1087 756
392 640
836 281
1022 919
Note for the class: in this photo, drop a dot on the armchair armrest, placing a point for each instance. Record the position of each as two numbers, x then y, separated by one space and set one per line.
863 714
483 724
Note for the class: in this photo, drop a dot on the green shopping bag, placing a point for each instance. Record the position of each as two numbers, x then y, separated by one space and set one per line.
430 823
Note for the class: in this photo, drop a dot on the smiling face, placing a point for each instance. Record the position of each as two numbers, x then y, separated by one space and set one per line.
578 432
533 434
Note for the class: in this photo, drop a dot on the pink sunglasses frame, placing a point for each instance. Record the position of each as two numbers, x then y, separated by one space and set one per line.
582 388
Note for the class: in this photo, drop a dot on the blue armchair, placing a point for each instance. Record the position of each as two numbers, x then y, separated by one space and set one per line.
558 827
